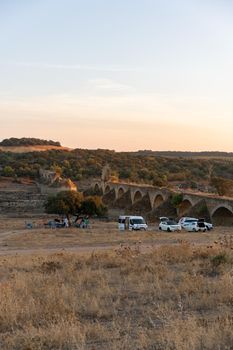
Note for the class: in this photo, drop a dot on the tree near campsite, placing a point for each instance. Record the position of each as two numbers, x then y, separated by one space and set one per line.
93 206
64 203
73 203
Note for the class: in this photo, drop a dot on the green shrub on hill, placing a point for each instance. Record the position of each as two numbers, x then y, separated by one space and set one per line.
28 141
177 199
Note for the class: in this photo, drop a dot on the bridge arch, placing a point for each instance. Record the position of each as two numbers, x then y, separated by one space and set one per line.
185 206
97 187
120 192
107 189
222 215
137 196
158 200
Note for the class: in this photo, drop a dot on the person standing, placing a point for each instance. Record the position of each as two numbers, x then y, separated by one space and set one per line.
66 222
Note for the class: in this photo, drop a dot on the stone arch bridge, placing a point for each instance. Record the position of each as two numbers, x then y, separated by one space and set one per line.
220 209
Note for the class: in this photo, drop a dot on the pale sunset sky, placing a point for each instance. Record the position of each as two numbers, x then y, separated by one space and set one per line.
124 75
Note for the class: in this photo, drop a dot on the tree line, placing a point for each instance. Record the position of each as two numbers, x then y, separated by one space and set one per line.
28 141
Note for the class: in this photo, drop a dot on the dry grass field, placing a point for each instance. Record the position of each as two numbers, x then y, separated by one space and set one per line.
177 295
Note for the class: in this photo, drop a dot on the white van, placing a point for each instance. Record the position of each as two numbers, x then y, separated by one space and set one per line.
132 223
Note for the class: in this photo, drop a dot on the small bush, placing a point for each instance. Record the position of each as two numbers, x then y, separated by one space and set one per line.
219 259
177 199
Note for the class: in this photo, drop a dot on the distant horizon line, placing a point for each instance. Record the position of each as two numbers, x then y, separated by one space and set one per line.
127 151
109 149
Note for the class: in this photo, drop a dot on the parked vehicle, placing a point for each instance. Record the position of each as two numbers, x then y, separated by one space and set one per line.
169 226
132 223
208 225
163 218
187 221
195 226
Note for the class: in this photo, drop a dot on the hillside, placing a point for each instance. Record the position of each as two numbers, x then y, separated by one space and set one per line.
203 171
82 164
26 145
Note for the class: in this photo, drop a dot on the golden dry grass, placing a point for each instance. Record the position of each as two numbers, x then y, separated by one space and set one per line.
177 297
26 149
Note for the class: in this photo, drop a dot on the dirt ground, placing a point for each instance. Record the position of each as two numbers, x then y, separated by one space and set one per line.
16 238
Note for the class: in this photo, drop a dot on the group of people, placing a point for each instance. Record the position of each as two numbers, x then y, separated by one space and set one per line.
61 223
81 222
58 223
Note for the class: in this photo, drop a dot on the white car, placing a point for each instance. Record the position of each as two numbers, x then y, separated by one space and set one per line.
186 220
169 226
187 223
195 226
208 225
163 218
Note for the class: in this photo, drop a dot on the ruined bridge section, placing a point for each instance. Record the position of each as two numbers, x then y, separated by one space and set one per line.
156 195
220 209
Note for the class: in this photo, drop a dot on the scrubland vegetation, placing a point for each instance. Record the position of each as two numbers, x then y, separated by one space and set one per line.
209 172
82 164
177 297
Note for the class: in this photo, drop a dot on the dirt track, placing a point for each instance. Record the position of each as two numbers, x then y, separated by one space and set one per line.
15 239
84 249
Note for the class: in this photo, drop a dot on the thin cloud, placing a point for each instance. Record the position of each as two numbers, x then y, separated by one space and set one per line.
130 106
97 68
108 85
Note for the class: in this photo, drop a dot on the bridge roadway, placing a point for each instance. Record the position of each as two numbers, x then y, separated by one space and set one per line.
217 206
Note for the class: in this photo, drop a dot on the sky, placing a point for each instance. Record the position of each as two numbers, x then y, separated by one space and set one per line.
123 75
